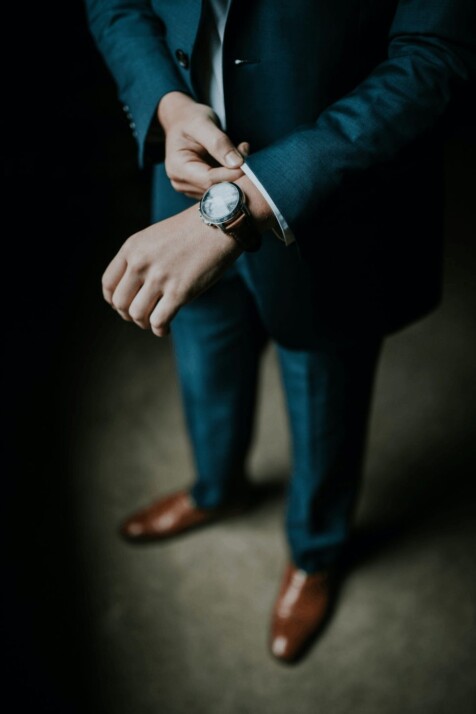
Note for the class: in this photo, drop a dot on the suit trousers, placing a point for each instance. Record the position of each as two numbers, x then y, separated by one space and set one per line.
218 340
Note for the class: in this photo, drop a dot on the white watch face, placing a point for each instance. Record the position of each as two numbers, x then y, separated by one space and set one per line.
220 202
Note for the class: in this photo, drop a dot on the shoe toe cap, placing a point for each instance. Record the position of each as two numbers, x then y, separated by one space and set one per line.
132 529
280 646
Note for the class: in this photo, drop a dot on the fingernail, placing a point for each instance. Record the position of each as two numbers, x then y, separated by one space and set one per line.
233 159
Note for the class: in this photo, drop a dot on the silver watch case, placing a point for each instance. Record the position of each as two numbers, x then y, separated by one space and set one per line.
224 218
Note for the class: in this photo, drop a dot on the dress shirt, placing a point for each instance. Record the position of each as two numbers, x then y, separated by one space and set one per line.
210 78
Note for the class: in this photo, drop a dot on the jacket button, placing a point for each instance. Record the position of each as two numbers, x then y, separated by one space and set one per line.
182 58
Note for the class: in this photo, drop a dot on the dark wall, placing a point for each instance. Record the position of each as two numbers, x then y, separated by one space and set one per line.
67 159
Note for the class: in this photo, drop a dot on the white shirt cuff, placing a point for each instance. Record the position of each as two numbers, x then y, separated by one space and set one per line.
285 233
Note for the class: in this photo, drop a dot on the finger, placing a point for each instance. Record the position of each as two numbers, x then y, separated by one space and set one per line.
244 148
125 291
219 145
125 315
185 186
187 190
220 174
162 315
143 304
112 275
197 176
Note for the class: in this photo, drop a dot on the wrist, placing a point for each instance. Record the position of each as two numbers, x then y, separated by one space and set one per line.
171 106
259 209
211 236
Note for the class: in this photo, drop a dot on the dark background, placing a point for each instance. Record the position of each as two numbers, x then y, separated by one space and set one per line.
68 160
73 194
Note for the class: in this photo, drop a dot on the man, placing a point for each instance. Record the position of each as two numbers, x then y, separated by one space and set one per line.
325 239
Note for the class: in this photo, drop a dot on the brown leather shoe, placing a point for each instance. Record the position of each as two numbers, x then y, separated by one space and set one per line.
300 612
170 516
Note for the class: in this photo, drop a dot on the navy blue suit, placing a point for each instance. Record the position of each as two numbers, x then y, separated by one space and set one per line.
342 102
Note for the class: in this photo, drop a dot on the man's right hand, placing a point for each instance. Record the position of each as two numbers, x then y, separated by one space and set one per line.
197 152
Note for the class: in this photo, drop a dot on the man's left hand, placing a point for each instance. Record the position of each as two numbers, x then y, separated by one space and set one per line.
165 266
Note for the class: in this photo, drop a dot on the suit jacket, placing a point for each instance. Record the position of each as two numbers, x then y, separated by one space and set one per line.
343 103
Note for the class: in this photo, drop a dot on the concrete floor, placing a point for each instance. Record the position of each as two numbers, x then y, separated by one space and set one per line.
181 628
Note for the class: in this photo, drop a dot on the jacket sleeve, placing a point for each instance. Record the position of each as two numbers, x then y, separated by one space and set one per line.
130 37
431 52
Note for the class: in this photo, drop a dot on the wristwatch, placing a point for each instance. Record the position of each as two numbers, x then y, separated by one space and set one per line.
223 206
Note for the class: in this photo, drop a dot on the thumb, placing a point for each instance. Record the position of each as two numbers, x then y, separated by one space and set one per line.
219 145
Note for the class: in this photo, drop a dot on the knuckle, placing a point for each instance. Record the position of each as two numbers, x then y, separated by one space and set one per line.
156 277
107 285
160 330
216 143
136 313
121 313
207 182
157 322
176 298
135 263
170 170
119 304
130 242
175 295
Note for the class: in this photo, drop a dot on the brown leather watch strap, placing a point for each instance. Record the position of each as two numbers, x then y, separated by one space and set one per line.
244 231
